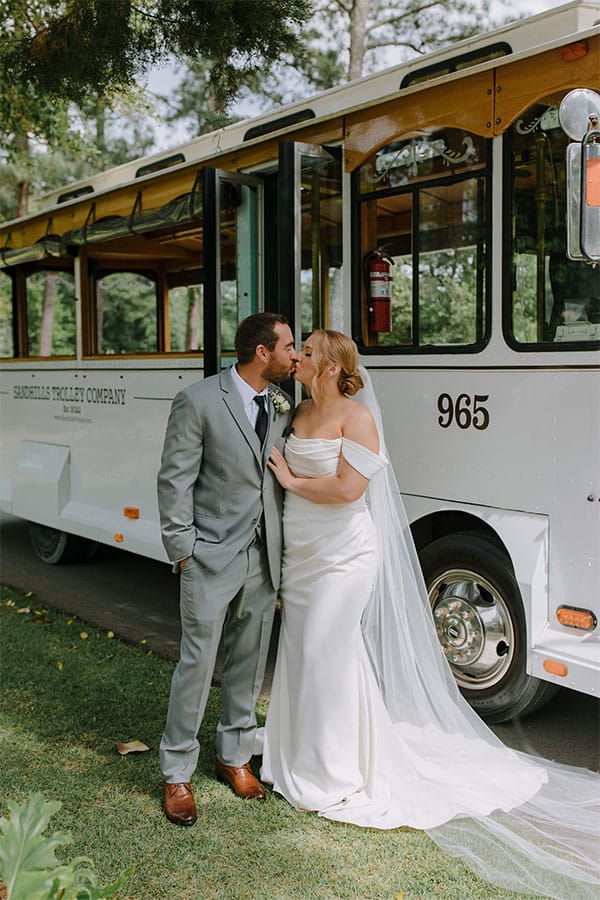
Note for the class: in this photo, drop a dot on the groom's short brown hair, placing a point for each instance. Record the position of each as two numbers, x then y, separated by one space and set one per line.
257 329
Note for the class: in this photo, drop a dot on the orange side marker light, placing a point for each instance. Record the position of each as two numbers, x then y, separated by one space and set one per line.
131 512
119 538
576 618
555 668
574 51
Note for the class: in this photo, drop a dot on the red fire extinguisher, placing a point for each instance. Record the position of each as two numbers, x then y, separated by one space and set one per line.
378 281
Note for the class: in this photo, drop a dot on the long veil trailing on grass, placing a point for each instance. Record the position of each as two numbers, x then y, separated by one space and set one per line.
549 845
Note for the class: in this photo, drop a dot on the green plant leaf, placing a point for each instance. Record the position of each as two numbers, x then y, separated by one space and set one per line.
28 864
25 855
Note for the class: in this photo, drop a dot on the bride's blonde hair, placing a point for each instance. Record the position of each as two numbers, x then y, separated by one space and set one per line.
334 347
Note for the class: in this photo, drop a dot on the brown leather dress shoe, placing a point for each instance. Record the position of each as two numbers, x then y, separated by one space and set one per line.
241 779
179 803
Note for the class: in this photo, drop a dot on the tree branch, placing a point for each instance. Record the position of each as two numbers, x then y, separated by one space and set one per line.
378 44
395 20
343 7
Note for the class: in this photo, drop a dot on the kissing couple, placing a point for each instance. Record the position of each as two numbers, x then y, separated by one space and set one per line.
365 723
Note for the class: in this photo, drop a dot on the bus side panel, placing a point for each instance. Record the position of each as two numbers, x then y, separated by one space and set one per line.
81 447
539 425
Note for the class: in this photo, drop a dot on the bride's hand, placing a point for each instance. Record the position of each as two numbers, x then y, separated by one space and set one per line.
280 469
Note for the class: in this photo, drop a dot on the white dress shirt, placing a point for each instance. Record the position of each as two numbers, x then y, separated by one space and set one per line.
247 393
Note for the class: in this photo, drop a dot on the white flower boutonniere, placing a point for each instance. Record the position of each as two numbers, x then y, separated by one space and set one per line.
279 401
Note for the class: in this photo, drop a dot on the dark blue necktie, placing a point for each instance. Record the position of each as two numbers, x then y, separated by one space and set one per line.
262 419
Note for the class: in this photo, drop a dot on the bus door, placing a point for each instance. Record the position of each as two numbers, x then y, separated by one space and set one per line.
309 224
233 270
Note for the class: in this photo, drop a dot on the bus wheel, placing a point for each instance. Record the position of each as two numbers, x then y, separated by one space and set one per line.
54 546
480 622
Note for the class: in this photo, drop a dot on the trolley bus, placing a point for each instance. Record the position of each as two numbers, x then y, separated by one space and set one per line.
424 211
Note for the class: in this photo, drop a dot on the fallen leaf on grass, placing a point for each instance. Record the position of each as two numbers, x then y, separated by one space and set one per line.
24 609
131 747
42 620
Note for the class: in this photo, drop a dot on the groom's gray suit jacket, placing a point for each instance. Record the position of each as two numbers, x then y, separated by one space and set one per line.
213 484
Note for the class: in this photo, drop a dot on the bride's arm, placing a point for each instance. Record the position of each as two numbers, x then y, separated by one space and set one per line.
347 485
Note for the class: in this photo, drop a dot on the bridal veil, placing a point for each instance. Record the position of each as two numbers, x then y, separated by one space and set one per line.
550 844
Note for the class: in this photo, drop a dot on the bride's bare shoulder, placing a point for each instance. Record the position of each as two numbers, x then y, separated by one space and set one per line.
301 409
359 425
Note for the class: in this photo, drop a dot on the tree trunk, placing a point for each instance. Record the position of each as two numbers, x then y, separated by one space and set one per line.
193 320
101 133
22 186
358 32
99 316
47 323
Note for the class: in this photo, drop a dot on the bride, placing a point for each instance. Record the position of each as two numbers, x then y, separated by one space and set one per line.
365 723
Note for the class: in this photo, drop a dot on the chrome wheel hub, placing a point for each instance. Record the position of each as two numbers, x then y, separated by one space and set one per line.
474 627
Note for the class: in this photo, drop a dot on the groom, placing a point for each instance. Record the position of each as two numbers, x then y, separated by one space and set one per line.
220 510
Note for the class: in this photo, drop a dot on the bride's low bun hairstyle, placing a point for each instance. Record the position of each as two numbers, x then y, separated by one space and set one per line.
350 384
335 347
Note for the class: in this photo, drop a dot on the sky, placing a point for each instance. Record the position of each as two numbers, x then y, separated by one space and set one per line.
163 80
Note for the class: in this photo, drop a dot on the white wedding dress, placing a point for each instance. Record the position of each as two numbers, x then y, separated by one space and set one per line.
365 723
330 744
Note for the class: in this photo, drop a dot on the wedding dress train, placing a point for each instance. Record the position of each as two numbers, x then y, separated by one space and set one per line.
365 722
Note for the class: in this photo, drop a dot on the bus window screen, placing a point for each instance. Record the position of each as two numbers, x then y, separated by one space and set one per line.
126 313
50 298
6 316
553 299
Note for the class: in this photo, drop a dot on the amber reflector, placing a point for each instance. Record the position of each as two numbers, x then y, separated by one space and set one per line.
574 51
576 618
131 512
555 668
118 538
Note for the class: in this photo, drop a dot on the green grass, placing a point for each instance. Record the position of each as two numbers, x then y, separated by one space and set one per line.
67 699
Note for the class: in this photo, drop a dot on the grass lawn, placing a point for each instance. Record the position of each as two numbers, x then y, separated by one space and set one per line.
70 693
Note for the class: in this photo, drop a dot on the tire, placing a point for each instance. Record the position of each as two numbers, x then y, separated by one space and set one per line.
480 621
55 547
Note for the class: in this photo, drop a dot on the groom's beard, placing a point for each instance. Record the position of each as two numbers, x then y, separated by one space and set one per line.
276 372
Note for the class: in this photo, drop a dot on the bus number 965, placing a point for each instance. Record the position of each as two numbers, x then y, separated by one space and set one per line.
466 411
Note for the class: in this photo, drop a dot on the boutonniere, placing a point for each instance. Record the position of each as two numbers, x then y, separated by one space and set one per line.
279 401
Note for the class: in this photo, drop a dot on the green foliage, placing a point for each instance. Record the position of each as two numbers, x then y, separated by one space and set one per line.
6 316
73 49
59 722
54 291
28 864
128 323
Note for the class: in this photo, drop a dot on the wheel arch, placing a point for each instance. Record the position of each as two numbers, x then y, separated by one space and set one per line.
522 536
439 524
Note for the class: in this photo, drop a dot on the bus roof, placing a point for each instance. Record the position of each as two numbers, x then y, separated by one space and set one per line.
489 50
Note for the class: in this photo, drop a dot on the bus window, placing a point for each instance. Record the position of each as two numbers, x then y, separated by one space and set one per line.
7 347
423 203
238 253
50 300
185 318
126 313
321 243
553 299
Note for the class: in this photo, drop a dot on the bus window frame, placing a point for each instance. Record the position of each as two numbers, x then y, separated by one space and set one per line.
97 266
483 309
18 276
507 271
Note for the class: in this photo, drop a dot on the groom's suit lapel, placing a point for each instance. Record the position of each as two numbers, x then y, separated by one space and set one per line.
233 402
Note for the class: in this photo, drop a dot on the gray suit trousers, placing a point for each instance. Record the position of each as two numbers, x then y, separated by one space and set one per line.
240 602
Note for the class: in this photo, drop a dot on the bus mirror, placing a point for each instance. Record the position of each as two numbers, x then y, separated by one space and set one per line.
579 116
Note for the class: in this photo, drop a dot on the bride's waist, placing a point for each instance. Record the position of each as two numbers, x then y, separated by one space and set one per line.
318 511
